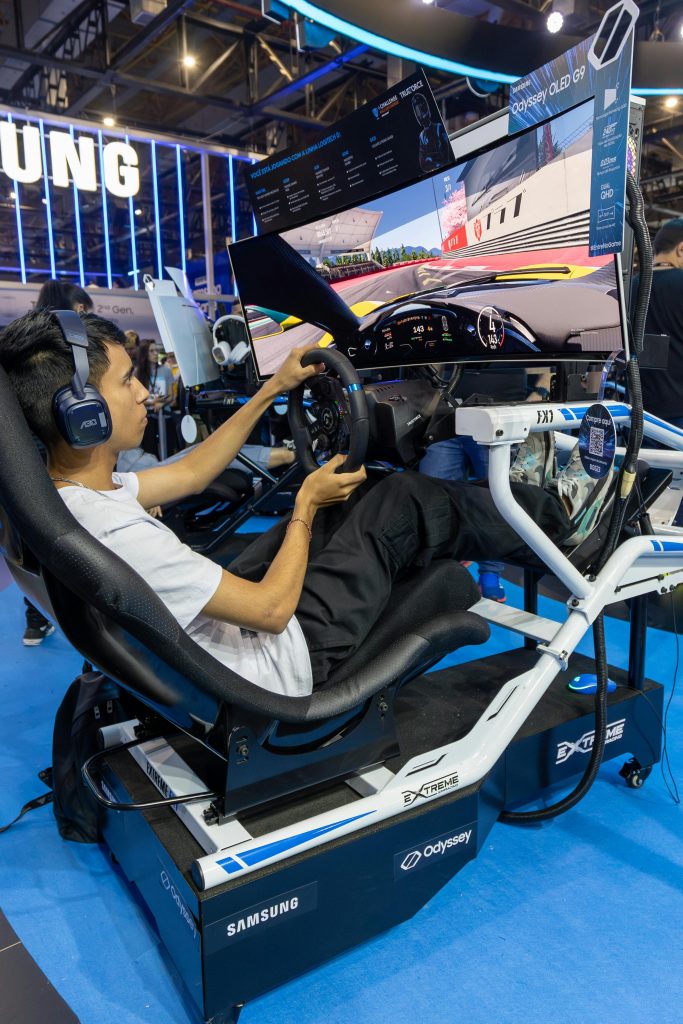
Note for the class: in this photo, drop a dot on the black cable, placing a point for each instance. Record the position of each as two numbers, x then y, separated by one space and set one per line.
588 778
38 801
626 480
665 753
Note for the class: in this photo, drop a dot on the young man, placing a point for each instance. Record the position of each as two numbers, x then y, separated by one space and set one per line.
303 597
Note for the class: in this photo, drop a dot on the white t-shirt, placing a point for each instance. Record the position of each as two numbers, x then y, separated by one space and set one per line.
185 581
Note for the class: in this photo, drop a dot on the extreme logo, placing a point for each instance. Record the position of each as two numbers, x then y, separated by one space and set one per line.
431 789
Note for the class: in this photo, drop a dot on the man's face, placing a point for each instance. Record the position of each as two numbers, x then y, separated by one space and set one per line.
125 396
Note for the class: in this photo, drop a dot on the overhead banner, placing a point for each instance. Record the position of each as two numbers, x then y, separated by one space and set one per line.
396 139
599 68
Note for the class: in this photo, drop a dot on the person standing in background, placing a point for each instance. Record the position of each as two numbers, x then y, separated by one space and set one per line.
663 389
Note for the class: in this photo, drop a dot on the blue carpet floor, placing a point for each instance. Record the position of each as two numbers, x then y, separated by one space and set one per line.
579 919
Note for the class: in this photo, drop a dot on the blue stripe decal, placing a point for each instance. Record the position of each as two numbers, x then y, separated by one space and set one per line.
261 853
578 411
355 387
663 424
671 545
230 865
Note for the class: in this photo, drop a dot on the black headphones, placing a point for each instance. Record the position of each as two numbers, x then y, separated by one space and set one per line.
81 414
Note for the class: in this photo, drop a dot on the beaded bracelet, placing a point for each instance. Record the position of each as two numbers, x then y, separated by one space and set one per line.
304 523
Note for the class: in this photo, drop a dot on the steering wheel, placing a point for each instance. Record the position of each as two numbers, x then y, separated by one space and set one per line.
340 411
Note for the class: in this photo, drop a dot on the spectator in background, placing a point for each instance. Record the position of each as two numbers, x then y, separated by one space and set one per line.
132 345
62 295
157 378
159 382
663 389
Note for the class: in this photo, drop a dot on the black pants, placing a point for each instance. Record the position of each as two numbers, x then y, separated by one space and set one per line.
401 522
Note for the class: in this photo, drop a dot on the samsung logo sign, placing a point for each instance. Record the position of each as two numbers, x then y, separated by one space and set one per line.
72 159
251 921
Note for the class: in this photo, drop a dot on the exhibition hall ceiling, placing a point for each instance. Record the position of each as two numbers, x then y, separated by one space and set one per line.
221 70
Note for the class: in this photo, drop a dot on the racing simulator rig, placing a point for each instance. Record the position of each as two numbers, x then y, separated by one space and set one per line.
267 834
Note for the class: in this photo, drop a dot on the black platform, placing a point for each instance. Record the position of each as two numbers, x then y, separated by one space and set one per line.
352 888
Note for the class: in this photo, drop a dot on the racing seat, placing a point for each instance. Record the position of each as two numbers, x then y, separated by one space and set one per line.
254 746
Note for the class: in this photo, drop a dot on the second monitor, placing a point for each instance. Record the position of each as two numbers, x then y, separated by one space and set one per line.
487 261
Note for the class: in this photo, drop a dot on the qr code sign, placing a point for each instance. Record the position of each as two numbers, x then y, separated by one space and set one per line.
596 442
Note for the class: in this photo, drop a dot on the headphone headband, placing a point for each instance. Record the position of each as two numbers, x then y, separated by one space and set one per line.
76 336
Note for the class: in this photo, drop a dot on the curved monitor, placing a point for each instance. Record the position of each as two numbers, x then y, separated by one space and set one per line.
485 262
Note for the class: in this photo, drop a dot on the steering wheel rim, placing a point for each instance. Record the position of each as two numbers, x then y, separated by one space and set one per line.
359 429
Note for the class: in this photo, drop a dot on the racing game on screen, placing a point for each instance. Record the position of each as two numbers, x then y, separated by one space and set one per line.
486 260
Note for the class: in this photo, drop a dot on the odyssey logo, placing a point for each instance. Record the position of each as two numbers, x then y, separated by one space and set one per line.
433 850
168 886
584 745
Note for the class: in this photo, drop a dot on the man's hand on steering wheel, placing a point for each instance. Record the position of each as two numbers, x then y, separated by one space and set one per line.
327 487
292 373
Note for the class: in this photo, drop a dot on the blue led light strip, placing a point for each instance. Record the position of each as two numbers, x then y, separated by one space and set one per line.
678 91
77 213
20 235
362 35
181 208
105 212
253 215
131 215
157 219
233 223
48 203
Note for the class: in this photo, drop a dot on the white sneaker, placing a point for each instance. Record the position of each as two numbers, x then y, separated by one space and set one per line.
535 461
583 497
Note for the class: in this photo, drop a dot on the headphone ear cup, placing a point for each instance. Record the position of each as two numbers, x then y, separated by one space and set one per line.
82 422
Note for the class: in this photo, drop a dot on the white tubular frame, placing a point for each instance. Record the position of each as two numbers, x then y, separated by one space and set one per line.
640 565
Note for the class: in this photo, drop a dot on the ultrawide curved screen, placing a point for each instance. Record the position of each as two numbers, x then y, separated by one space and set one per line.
487 261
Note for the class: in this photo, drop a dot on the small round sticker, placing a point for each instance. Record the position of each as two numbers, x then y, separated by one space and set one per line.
597 441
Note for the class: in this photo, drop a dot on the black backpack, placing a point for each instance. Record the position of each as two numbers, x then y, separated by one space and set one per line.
91 702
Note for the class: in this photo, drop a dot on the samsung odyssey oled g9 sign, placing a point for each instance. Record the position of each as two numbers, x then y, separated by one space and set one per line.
72 160
598 67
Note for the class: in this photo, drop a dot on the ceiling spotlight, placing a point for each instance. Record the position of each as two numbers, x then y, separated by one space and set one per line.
189 61
680 31
427 1
138 211
13 195
44 201
671 102
108 122
555 21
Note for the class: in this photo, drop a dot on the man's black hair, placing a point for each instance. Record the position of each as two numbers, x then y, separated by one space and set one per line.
669 236
39 361
63 295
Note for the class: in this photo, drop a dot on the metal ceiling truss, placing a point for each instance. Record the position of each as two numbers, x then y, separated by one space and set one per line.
254 88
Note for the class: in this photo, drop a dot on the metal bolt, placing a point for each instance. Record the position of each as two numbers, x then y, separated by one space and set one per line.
499 433
243 750
575 602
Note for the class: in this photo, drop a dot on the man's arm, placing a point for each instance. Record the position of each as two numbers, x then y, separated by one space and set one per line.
269 605
192 474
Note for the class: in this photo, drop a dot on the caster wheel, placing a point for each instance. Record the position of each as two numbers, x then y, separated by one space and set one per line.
635 774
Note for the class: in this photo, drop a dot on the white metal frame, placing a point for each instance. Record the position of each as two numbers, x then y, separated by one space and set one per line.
640 565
